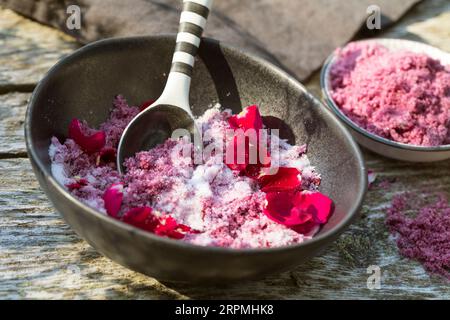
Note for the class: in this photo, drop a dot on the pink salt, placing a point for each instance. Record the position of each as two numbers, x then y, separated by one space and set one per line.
401 96
425 235
226 208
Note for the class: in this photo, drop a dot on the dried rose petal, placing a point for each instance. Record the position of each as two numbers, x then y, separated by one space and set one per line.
141 218
305 228
318 204
249 118
113 197
146 104
107 155
89 143
169 227
285 179
78 184
298 211
280 208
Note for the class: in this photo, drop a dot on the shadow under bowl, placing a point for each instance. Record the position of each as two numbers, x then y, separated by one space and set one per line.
83 85
375 143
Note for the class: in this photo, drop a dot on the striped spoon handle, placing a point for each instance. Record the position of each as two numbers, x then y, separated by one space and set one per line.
192 23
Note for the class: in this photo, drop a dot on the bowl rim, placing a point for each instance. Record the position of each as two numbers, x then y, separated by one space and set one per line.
238 53
326 95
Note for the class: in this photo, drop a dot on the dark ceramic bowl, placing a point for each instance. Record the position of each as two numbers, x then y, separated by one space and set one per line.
373 142
83 85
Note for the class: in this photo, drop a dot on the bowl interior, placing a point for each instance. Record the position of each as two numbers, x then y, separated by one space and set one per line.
83 86
392 45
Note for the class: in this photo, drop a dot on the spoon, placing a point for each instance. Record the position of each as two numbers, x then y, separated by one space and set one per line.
171 111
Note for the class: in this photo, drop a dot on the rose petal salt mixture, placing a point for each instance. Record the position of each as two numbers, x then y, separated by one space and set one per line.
398 95
222 201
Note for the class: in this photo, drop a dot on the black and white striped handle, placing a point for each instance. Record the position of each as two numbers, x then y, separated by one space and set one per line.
192 23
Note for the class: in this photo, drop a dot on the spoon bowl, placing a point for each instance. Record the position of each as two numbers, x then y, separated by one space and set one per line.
151 127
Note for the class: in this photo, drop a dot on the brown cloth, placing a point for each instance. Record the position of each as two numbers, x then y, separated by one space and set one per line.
297 35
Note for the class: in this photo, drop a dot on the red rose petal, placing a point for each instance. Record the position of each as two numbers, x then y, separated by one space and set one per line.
318 204
113 197
285 179
280 208
169 227
249 118
305 228
89 143
78 184
141 218
298 211
146 104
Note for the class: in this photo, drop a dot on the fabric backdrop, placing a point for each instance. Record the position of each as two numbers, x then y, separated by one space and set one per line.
297 35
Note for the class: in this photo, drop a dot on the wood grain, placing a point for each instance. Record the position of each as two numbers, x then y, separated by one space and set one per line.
41 257
28 50
12 114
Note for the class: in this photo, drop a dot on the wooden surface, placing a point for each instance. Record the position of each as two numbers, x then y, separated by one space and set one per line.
40 257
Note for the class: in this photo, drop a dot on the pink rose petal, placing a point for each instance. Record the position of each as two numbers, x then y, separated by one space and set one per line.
113 197
170 228
141 218
78 184
144 219
298 211
318 204
285 179
249 118
280 208
89 143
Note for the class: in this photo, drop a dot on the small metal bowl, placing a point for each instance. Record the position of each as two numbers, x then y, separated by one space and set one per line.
83 85
375 143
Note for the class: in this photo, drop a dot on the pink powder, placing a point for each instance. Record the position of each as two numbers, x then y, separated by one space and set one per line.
424 237
401 96
225 207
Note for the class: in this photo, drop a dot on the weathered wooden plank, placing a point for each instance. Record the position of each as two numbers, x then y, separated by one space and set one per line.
428 22
40 257
28 50
12 114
